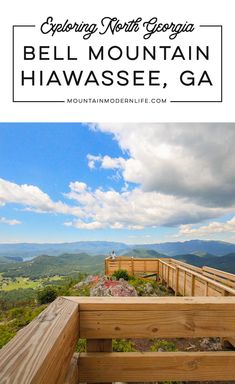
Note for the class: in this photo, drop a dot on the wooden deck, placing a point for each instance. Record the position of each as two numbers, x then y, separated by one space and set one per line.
184 279
43 352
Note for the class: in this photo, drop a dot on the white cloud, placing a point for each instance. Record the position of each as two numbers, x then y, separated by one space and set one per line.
92 160
105 162
77 186
135 209
210 229
194 161
173 174
33 199
3 220
96 209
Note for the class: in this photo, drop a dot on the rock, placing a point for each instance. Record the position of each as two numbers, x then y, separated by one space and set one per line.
205 344
148 289
87 281
211 344
106 287
191 346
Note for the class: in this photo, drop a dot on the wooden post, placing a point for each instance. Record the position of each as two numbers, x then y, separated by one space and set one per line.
106 267
184 289
192 285
176 280
72 374
168 276
157 270
206 288
99 345
42 351
157 266
132 266
160 271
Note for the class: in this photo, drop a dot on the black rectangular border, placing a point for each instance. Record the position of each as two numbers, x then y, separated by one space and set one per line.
221 71
62 101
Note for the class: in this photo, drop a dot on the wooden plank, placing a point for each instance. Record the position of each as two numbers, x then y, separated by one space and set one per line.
214 291
132 266
167 264
149 324
151 367
151 266
143 258
72 374
147 276
184 286
199 287
212 282
227 275
168 276
42 351
99 345
186 265
139 265
145 266
157 265
192 285
220 279
188 283
153 303
176 281
181 282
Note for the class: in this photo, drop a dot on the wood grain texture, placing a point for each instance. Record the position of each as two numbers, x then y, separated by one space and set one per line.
186 265
176 287
72 374
153 324
213 283
150 367
99 345
41 352
227 275
192 285
220 279
153 303
131 265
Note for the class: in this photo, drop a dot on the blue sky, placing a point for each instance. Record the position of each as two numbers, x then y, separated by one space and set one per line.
124 182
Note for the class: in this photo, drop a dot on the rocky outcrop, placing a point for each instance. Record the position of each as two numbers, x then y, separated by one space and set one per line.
107 287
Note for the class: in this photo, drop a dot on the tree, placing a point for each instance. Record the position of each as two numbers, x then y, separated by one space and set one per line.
47 295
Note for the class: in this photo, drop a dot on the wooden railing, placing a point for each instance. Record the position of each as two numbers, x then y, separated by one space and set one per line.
183 278
43 352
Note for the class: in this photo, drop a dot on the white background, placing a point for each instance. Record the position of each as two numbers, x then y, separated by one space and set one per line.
195 11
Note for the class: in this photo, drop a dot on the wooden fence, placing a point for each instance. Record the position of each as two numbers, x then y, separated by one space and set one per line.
43 352
184 279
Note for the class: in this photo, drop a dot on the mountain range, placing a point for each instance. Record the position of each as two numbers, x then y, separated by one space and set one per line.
67 264
197 247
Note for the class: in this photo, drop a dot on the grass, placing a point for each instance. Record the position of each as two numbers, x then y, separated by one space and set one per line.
163 345
8 284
